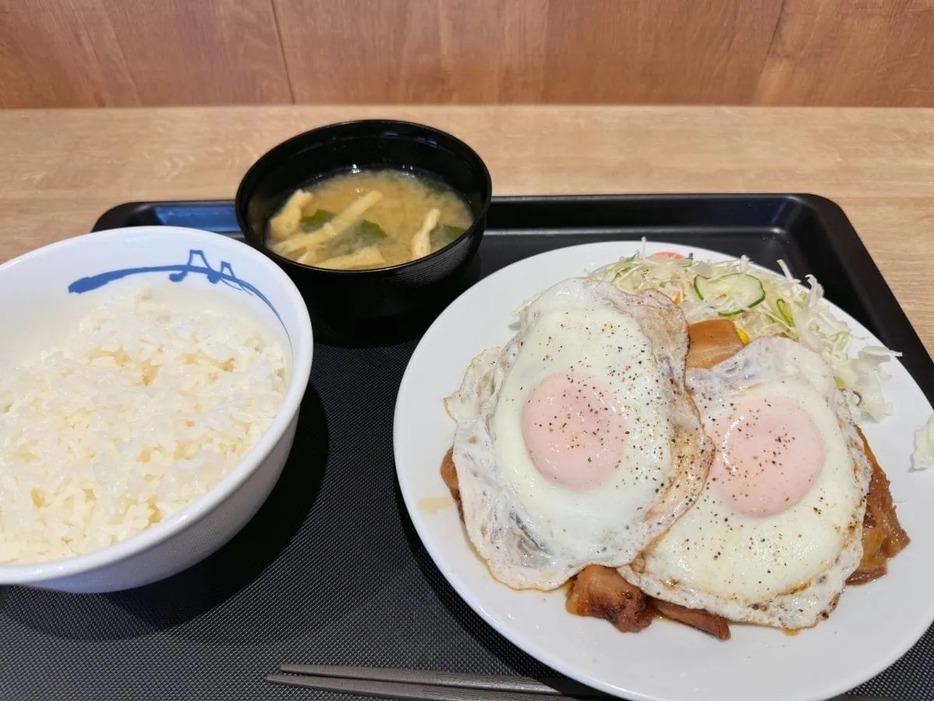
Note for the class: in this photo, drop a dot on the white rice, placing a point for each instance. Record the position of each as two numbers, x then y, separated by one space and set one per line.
139 411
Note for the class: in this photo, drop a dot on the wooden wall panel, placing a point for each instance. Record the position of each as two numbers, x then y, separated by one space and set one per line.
190 52
851 52
533 51
414 50
60 54
657 51
185 52
64 53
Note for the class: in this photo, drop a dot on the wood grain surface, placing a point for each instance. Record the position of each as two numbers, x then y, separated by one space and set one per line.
84 53
851 52
121 53
63 168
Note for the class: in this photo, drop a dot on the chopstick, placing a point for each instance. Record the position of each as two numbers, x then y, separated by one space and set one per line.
420 685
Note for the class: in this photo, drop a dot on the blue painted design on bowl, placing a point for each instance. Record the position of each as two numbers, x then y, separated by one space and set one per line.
197 264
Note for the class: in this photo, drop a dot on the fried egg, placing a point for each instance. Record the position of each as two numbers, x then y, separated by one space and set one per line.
577 443
777 529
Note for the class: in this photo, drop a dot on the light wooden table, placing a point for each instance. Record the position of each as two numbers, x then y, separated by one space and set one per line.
62 168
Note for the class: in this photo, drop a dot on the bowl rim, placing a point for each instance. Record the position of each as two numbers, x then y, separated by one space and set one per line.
286 147
301 342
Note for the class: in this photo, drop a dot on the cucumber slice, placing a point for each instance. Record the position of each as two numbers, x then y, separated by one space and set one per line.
730 294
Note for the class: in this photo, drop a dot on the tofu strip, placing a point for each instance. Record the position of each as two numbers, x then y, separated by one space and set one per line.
306 243
287 221
362 257
421 242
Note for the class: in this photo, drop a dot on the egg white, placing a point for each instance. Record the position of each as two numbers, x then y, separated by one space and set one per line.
532 531
788 569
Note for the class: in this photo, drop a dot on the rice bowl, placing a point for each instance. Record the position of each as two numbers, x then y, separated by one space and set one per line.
181 445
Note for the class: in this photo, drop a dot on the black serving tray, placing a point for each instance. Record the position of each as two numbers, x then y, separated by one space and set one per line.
330 570
810 233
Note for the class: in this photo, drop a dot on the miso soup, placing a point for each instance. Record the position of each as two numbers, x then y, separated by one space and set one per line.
367 219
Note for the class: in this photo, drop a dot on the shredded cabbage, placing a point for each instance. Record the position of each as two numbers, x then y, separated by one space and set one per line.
923 456
789 308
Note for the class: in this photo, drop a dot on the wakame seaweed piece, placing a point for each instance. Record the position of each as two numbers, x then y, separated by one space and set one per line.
361 235
316 220
369 233
443 234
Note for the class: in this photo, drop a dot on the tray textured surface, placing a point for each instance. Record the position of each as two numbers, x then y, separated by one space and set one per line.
330 570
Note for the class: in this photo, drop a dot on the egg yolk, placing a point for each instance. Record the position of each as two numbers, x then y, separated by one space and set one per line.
573 432
768 455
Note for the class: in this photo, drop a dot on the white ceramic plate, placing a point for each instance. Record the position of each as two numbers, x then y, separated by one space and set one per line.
873 625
